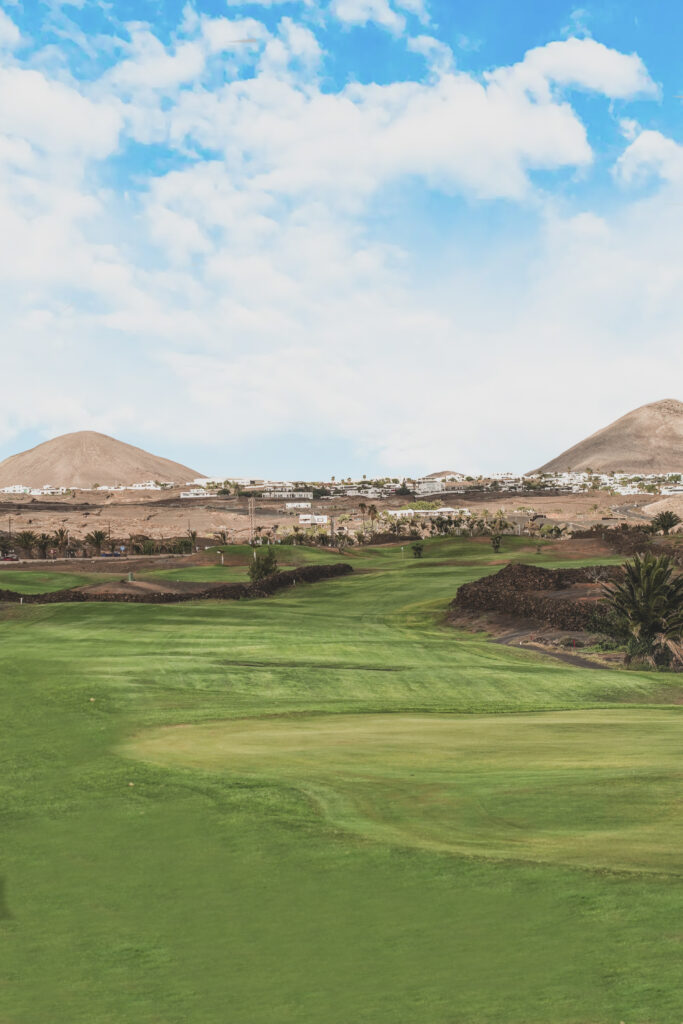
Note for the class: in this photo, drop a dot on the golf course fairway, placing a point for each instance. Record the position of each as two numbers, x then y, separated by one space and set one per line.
597 788
331 807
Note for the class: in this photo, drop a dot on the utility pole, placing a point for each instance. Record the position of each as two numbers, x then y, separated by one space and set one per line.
251 505
331 531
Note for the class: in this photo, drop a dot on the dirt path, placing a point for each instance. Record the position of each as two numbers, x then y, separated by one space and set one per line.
564 656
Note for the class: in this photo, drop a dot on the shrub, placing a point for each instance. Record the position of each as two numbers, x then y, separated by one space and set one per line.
665 521
264 563
646 608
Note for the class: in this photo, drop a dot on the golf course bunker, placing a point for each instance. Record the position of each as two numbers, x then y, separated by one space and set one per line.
597 789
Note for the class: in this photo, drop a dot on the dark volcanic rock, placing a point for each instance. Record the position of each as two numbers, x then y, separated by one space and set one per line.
565 598
212 591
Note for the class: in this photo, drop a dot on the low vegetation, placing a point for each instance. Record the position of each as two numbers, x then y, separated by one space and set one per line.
364 817
263 563
646 611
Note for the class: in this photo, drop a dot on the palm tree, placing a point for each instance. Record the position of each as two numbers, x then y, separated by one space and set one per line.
44 542
136 543
665 521
362 508
646 608
373 516
61 539
96 539
26 540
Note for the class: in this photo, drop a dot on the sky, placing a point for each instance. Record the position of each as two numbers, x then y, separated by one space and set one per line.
302 239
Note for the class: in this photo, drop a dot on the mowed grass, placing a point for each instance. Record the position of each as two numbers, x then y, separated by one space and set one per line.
31 581
600 789
278 889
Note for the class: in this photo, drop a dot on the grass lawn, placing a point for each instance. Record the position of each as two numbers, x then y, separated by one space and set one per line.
29 581
363 819
594 788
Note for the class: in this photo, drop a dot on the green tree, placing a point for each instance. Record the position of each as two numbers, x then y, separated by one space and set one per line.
26 541
665 521
44 541
373 516
646 609
418 549
96 539
61 539
264 563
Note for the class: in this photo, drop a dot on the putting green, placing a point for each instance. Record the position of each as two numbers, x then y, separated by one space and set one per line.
599 789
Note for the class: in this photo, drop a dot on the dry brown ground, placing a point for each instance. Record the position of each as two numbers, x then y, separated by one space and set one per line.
165 514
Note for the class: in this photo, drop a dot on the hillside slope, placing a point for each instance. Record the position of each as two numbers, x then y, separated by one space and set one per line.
647 440
85 458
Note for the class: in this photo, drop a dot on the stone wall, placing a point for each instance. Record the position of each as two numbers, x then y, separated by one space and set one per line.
530 592
214 591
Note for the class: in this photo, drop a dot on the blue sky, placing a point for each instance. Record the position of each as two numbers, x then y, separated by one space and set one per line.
384 236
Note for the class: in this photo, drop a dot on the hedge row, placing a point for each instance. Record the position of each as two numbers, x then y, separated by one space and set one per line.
214 591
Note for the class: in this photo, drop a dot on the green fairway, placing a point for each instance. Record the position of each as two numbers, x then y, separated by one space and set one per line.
31 581
329 806
598 788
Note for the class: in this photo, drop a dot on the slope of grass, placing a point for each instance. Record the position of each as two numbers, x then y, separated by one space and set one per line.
30 581
199 896
599 789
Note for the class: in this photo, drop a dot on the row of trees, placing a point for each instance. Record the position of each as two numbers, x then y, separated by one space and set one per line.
29 544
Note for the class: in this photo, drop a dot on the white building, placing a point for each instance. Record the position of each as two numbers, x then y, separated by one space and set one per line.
196 492
291 505
430 486
366 492
311 520
288 494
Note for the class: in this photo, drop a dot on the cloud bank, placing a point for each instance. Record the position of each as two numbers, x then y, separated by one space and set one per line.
206 241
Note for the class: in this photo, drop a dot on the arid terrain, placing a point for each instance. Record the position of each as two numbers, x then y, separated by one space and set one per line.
646 440
165 514
87 458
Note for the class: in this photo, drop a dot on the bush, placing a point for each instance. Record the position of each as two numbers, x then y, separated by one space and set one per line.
264 563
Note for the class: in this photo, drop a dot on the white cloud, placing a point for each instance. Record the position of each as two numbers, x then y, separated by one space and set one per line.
223 34
251 278
416 7
10 35
579 63
293 44
439 57
362 12
651 154
54 117
268 3
151 66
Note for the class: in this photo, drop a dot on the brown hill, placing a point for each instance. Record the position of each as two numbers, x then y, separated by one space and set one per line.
647 440
86 458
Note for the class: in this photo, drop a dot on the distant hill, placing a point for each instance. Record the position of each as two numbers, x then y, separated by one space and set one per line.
86 458
441 473
647 440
